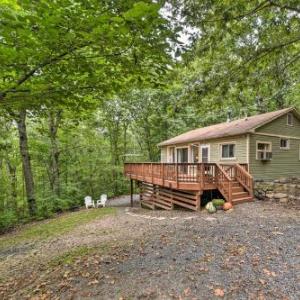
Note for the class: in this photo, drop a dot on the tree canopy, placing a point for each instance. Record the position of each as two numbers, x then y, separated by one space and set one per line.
88 85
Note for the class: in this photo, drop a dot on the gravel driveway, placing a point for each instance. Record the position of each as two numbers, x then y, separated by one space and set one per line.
251 252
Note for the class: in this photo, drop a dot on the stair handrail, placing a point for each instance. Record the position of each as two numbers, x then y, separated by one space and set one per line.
229 182
249 177
223 171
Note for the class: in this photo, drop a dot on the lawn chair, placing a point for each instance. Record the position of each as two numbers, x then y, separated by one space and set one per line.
102 200
89 202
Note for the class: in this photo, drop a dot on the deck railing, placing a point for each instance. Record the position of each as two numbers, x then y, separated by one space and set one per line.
202 174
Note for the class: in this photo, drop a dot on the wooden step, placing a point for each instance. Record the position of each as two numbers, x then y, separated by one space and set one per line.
240 195
242 200
237 189
236 184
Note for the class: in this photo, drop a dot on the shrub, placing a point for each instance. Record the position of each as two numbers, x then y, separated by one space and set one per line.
8 220
218 202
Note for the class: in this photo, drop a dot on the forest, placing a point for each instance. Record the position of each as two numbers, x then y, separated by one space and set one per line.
88 85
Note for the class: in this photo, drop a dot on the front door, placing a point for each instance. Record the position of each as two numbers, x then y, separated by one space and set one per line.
205 154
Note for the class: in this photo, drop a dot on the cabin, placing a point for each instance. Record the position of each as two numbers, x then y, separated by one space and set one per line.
221 160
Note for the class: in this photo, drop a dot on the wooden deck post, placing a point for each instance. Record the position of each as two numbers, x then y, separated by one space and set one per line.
198 200
177 175
163 173
131 192
141 191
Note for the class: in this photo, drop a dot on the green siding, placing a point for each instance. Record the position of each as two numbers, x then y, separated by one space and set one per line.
280 127
215 155
215 149
284 163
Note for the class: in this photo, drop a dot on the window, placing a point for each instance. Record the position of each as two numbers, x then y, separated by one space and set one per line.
263 150
290 119
284 144
228 151
182 155
171 155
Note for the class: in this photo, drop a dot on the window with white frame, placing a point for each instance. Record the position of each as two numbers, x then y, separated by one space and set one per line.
284 144
228 151
263 150
290 119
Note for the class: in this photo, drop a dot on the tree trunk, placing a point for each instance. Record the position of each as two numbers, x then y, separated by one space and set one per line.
54 120
13 184
26 163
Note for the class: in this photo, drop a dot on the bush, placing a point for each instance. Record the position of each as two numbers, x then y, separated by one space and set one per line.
44 210
8 220
218 202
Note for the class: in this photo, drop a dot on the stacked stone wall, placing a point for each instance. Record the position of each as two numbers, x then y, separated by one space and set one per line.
282 190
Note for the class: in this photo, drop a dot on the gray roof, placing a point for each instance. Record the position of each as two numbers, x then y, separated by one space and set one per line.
236 127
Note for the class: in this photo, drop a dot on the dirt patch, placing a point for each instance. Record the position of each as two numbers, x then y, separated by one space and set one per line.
249 253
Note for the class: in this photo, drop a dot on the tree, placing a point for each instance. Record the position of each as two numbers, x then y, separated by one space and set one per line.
26 161
247 53
75 52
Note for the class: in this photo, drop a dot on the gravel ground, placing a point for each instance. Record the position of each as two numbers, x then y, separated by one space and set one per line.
251 252
123 201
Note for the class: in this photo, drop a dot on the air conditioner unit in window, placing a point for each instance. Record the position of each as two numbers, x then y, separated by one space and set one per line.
264 155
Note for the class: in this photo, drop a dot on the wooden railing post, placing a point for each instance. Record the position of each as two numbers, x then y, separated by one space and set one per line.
230 191
202 175
162 168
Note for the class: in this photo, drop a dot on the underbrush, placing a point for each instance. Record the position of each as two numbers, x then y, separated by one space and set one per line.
8 220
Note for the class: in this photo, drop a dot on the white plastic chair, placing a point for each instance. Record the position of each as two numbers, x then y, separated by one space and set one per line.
102 200
89 202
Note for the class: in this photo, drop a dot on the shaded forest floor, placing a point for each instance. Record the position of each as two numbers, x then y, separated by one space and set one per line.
251 252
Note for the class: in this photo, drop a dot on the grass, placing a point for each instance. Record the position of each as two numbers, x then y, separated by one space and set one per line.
53 227
71 256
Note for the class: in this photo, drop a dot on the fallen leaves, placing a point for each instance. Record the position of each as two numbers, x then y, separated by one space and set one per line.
269 273
219 292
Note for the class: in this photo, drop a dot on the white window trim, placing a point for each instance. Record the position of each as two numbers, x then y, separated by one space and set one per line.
287 119
204 146
288 144
248 149
262 142
220 150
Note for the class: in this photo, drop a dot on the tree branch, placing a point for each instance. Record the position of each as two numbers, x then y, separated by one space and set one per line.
31 72
287 7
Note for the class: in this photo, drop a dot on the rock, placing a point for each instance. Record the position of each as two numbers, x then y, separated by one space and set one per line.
280 195
284 200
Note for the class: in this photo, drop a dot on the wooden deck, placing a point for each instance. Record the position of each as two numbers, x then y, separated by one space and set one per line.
190 180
